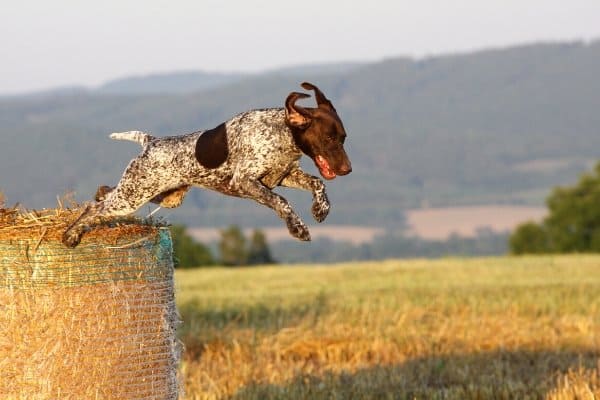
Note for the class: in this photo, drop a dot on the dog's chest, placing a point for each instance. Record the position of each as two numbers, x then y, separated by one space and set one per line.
270 160
261 143
278 169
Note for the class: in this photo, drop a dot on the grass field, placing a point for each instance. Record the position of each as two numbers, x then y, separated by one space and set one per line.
497 328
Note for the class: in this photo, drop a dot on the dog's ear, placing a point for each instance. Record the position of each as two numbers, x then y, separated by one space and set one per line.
322 101
295 115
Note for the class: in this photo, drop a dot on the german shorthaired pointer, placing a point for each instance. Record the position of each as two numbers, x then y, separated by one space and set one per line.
246 156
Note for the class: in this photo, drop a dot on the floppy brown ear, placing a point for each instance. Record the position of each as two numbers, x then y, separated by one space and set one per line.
295 115
322 101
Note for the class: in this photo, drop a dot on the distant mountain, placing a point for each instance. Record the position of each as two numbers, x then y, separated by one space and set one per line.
194 81
48 93
317 69
175 82
488 127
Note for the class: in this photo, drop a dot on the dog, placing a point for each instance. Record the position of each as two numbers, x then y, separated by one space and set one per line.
246 156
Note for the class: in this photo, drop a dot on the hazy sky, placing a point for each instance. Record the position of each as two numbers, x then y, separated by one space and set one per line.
74 42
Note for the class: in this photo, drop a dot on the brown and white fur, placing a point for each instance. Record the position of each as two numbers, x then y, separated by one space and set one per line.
247 157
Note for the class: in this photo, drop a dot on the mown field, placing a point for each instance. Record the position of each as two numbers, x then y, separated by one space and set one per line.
495 328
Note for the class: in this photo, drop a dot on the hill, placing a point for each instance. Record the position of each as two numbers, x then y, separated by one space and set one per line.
500 126
195 81
179 82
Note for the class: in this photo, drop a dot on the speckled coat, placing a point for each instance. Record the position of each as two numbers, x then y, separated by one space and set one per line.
246 156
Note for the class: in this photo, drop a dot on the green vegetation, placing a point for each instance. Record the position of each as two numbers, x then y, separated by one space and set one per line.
189 253
573 223
489 328
496 126
232 247
391 245
236 251
258 249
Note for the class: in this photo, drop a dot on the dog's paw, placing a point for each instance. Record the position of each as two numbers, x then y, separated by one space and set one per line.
298 229
71 239
320 210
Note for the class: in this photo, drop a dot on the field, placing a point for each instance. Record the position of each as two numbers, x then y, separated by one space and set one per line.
439 223
426 223
495 328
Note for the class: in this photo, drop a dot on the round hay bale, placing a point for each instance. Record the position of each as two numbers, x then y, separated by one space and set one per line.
97 321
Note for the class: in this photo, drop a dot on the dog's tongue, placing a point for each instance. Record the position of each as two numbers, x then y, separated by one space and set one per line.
324 167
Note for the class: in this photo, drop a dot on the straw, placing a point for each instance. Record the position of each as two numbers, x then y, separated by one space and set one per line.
94 322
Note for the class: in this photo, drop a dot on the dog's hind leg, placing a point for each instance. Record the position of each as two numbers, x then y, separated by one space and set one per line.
102 192
115 205
171 198
133 191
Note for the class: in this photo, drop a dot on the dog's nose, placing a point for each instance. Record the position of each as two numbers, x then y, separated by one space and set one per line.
345 169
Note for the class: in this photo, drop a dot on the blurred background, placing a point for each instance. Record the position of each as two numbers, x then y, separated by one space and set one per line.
462 116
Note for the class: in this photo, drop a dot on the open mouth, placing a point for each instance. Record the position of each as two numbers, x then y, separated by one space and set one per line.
324 167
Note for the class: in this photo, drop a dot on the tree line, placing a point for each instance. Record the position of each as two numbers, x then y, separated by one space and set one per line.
234 249
572 224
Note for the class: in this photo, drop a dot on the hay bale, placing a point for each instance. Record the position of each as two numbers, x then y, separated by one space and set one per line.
97 321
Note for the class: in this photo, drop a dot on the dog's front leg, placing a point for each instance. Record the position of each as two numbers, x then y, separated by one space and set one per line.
253 189
299 179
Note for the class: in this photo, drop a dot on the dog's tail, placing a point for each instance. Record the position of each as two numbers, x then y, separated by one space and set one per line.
134 136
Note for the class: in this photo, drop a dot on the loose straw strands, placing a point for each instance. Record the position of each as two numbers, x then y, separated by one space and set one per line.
97 321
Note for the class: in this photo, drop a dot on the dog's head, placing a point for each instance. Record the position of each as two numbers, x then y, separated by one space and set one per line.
318 132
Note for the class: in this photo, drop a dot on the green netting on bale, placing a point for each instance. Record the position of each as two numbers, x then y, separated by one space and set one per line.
27 265
97 321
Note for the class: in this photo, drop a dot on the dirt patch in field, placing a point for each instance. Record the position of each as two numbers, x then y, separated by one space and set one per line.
430 223
349 233
439 223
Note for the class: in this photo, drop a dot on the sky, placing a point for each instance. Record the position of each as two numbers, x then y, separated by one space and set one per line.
49 44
